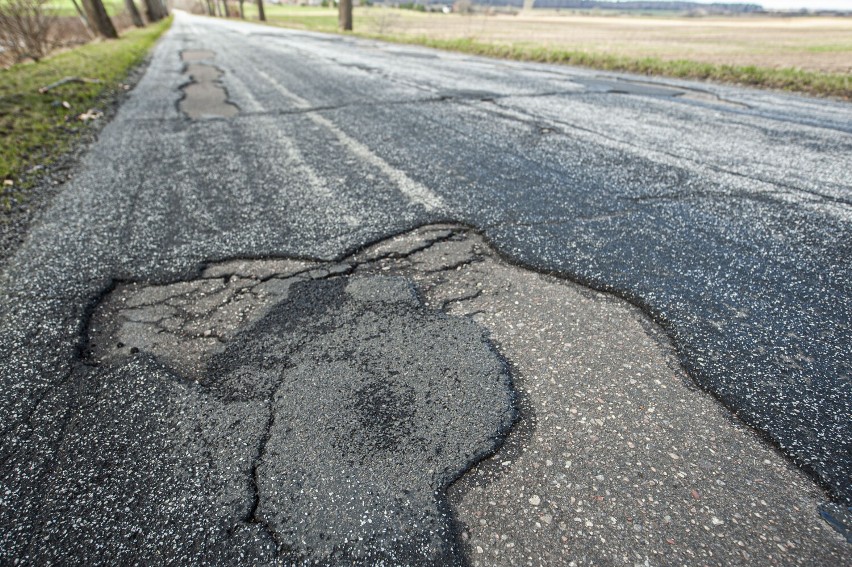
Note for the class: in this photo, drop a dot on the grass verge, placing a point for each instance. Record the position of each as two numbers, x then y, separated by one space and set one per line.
796 80
814 82
36 128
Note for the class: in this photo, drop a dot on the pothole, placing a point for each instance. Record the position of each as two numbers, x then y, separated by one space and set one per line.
652 89
376 402
197 55
204 97
379 391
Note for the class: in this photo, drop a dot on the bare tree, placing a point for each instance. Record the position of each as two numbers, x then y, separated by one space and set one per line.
260 13
463 7
99 19
344 15
134 13
25 27
83 18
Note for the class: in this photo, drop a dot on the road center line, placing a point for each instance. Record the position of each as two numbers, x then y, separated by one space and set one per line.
415 191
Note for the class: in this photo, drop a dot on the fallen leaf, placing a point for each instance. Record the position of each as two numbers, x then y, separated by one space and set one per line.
90 114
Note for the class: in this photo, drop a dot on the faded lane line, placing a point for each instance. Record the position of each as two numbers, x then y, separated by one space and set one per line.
297 162
416 192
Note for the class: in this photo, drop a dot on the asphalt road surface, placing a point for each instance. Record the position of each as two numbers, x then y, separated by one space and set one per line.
329 418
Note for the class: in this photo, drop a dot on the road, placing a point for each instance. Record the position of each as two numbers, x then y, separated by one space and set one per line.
213 352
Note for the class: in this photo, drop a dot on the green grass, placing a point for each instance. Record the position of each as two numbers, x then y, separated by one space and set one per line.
312 18
811 82
830 48
35 128
66 7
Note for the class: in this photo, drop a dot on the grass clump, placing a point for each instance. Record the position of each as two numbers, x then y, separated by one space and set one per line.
811 82
35 127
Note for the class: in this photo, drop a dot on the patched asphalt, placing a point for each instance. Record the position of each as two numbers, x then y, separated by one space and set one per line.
724 213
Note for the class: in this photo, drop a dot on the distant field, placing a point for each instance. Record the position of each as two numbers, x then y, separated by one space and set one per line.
808 43
66 7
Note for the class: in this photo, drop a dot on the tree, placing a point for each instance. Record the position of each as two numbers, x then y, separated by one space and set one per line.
134 13
25 28
260 12
97 15
83 18
344 15
154 10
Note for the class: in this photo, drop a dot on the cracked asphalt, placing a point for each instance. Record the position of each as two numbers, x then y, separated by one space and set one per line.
245 332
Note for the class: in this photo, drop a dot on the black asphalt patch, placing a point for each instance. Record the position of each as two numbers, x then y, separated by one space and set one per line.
367 406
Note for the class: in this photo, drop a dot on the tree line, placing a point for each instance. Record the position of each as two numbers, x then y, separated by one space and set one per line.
28 27
220 8
94 15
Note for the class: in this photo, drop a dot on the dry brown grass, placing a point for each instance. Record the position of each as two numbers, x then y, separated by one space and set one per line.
809 43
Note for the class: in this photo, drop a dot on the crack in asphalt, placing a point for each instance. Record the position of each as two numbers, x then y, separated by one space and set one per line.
447 263
538 122
241 285
469 298
464 298
254 479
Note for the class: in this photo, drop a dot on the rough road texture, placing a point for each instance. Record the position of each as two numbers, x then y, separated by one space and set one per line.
616 458
352 409
726 215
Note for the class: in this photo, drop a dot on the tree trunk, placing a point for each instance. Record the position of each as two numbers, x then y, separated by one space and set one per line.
152 10
83 17
260 13
242 13
134 13
344 15
98 17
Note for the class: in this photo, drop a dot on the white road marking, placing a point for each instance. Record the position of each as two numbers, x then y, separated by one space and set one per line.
296 161
415 191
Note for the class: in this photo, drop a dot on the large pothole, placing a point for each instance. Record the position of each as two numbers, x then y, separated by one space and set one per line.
374 401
